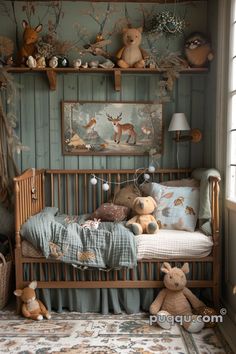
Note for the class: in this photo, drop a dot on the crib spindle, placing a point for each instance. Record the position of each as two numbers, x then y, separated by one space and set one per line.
76 195
73 274
52 190
59 191
102 192
67 194
49 271
85 192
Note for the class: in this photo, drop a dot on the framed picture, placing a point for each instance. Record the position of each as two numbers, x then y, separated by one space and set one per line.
111 128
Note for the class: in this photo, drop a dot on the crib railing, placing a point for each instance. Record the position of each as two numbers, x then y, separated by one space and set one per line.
72 192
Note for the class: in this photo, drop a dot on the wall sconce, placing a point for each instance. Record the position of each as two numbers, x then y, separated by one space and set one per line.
179 123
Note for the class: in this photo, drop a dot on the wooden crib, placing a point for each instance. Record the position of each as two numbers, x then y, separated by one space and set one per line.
72 192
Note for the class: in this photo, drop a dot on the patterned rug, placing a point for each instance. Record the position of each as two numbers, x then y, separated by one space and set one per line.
73 333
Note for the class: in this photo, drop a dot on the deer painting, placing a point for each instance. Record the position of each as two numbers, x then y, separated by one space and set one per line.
119 129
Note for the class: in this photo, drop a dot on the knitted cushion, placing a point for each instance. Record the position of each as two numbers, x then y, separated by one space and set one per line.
110 212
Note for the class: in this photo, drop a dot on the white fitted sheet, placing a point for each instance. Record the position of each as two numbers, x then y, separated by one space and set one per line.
173 244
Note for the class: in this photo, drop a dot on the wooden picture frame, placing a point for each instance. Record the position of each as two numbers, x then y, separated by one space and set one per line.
111 128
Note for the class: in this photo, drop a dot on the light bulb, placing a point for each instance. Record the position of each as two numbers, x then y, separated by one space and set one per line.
151 168
105 186
93 181
146 176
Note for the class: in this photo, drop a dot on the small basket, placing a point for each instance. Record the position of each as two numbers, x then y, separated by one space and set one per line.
5 279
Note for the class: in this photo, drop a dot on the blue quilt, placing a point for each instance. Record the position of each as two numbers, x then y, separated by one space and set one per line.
62 237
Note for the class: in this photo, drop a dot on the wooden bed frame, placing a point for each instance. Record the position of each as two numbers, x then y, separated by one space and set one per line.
72 192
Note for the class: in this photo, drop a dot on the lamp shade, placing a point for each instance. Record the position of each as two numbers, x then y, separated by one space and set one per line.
178 122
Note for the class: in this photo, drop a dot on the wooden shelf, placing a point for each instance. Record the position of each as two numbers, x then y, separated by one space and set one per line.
147 1
117 72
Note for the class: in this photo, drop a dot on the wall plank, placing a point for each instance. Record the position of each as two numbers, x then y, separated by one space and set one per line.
70 94
28 123
128 93
40 113
198 119
85 93
183 104
113 162
42 123
16 109
99 94
55 98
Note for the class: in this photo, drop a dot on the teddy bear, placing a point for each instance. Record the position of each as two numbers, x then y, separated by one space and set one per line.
30 38
126 195
177 300
143 221
131 55
31 307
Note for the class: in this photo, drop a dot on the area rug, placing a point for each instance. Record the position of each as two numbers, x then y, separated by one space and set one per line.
76 333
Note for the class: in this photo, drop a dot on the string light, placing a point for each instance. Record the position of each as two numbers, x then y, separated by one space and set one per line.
105 186
146 176
93 181
151 168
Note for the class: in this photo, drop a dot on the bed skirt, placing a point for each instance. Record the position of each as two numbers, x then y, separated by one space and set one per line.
103 300
98 300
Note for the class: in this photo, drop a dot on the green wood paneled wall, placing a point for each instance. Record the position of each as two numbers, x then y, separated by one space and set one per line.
38 109
39 113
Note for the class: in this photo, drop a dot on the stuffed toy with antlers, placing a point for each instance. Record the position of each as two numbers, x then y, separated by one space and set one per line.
31 307
30 38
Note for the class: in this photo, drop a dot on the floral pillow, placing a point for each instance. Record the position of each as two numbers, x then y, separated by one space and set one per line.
177 207
110 212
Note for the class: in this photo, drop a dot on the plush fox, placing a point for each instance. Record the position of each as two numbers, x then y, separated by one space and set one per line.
32 308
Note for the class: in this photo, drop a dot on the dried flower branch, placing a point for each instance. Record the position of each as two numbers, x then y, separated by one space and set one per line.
9 142
6 46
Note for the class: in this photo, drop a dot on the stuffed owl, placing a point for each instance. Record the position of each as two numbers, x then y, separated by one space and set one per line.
198 50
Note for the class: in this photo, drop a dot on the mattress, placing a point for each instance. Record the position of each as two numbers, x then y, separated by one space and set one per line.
168 244
165 244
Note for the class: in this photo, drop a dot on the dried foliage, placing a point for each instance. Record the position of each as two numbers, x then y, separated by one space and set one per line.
172 64
6 46
101 17
44 48
63 47
165 22
9 141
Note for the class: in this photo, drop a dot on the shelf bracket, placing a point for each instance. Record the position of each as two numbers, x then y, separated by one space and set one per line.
52 79
117 78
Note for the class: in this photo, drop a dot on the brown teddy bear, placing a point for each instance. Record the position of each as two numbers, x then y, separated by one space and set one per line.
126 196
131 55
175 300
32 308
144 222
